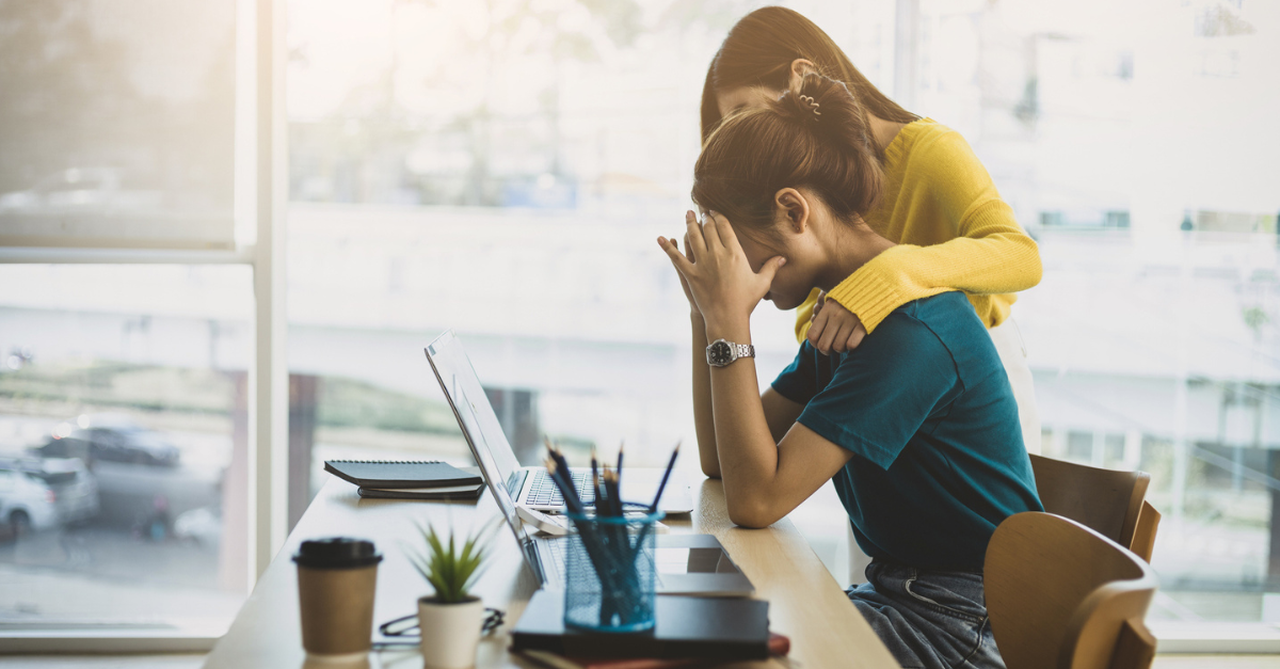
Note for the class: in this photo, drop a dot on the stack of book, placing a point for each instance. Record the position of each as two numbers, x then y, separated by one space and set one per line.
778 645
407 479
690 632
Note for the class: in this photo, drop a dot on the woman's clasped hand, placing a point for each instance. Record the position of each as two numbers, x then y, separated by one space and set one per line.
717 277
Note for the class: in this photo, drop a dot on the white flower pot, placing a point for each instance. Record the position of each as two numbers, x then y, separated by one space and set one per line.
450 632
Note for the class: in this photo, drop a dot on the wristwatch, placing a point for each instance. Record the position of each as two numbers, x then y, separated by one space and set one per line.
721 353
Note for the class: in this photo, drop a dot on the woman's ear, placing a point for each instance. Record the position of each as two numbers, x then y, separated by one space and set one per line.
792 209
799 68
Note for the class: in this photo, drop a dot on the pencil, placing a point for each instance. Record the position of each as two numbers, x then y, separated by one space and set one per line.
571 499
614 507
563 465
665 476
595 480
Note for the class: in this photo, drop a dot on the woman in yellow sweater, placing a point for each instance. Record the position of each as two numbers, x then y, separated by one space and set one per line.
939 205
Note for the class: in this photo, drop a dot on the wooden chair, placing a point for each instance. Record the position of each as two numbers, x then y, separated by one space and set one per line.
1061 595
1144 535
1107 500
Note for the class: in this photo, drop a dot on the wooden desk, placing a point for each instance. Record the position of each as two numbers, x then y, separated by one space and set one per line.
806 604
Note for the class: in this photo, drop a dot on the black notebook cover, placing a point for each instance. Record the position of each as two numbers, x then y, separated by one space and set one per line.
400 473
686 627
446 492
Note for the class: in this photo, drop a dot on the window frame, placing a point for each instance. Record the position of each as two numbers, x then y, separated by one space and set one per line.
261 196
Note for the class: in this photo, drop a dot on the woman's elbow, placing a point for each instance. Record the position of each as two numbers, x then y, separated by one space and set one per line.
711 471
1032 266
751 515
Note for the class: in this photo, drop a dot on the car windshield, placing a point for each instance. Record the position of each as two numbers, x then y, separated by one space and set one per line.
55 478
145 438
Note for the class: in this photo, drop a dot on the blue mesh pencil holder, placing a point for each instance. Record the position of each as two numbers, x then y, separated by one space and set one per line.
610 573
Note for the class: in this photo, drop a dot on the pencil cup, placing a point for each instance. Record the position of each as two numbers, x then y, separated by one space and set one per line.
609 573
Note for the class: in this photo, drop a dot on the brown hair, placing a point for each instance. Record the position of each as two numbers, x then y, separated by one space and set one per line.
815 137
759 50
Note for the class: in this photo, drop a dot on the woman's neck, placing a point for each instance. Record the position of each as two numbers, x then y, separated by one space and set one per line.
882 131
856 246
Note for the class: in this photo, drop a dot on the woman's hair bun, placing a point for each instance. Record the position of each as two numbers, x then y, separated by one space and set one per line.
829 105
814 136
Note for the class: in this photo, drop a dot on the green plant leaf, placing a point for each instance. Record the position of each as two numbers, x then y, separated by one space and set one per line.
449 568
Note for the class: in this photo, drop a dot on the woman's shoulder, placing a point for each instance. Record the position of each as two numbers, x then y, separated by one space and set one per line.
932 154
926 142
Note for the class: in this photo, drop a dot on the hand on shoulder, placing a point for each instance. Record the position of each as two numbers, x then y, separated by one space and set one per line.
834 329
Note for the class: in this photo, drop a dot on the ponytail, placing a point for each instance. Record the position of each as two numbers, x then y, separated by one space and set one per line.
814 137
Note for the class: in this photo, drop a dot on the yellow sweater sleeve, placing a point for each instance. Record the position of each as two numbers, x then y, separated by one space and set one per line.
956 234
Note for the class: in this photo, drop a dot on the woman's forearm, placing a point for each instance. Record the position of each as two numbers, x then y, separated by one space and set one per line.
748 454
703 418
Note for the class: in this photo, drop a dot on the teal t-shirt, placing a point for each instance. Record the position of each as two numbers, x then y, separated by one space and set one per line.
925 407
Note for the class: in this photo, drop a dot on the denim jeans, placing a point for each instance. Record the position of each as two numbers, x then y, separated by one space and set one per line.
928 619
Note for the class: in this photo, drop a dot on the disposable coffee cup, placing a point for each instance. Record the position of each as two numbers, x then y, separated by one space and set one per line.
337 578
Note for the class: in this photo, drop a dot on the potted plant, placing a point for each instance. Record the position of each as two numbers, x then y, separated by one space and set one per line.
450 620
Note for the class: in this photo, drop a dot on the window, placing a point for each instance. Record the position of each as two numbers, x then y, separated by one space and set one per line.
130 303
124 445
514 201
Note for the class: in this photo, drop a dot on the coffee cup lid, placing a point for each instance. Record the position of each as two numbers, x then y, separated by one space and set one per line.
337 553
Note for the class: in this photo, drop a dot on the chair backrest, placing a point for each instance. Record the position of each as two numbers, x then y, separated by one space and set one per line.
1106 500
1144 536
1062 595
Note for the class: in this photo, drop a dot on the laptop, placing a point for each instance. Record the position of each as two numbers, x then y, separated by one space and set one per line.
687 564
532 487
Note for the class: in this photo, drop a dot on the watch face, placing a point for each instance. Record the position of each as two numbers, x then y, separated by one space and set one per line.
720 353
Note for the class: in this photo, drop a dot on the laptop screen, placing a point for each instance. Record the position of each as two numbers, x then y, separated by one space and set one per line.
479 424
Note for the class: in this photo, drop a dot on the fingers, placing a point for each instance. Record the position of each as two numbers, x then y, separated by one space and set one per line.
771 267
724 231
672 250
827 337
855 338
693 235
688 251
816 326
840 342
711 230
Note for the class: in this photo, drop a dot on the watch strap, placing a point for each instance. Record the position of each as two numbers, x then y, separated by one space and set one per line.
736 351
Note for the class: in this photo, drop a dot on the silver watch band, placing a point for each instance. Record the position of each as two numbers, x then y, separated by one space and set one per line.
723 352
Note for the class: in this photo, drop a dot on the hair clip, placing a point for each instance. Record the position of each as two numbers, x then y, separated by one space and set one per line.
813 104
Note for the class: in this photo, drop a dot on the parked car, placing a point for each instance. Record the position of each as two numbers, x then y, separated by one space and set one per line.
202 526
73 485
113 438
26 503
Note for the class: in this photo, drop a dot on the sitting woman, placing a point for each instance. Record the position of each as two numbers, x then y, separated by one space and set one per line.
953 230
917 426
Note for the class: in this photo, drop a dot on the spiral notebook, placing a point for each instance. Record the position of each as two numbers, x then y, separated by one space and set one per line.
382 474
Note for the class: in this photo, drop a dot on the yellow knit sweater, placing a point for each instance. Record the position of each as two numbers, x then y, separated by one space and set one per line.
953 233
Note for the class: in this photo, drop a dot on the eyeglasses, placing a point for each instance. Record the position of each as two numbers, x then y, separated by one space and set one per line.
406 627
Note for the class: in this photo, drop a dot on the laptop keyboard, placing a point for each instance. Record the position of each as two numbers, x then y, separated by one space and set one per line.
556 549
543 491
